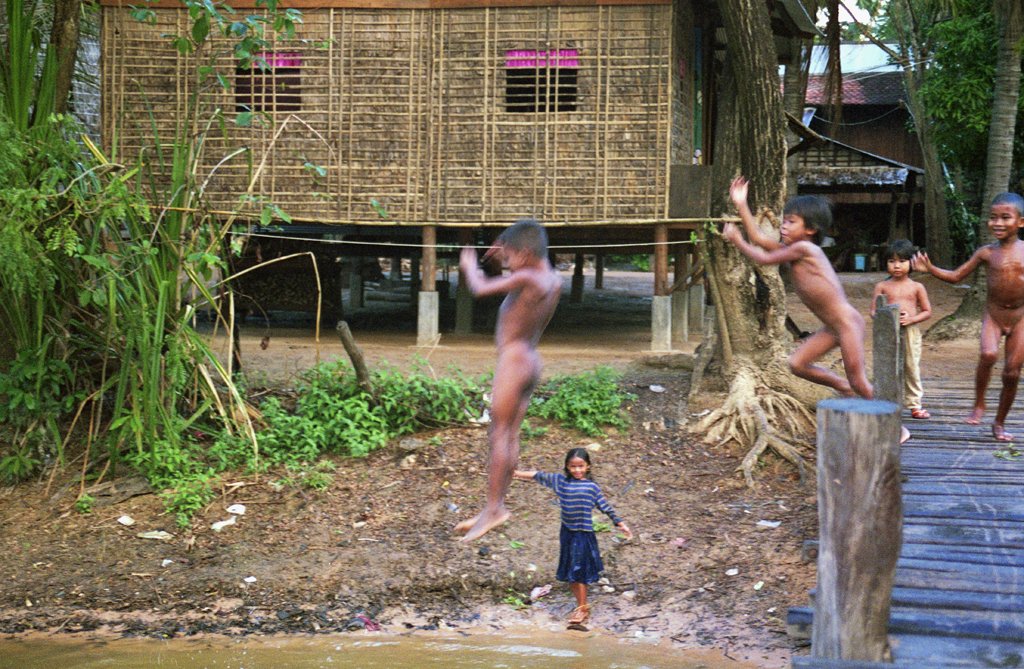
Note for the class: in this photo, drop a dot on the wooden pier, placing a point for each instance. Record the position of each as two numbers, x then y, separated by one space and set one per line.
958 593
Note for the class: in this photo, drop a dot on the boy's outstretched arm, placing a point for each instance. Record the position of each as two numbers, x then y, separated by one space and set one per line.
738 193
625 530
524 474
760 255
482 285
921 263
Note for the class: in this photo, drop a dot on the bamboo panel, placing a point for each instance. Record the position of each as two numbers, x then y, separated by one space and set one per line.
407 112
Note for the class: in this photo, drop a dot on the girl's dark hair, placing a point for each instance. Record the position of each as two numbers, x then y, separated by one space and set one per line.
580 453
816 212
903 249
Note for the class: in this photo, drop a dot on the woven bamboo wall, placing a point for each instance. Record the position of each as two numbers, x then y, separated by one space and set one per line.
408 108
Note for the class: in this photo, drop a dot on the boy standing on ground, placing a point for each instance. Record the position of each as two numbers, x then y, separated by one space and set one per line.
532 290
1004 305
805 219
912 300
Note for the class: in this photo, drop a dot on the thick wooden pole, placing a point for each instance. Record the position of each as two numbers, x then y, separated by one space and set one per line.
860 519
887 353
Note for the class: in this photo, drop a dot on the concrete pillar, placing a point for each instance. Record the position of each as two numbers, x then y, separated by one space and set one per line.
576 292
427 320
599 272
661 323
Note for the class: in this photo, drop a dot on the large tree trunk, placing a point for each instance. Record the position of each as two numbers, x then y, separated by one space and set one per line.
64 34
766 405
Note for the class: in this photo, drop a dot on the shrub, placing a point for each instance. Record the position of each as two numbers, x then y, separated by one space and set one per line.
587 402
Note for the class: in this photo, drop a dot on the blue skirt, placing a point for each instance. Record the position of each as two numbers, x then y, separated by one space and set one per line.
579 561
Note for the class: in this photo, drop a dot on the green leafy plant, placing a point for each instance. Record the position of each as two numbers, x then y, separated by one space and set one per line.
190 494
516 600
528 432
587 402
84 503
1009 453
18 466
601 526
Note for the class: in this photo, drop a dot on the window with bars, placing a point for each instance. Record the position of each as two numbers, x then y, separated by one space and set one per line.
272 83
541 81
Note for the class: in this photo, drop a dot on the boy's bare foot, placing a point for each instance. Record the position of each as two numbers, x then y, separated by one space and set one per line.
1000 434
975 417
464 526
485 522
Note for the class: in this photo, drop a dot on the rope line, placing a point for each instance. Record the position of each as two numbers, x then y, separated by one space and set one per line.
453 247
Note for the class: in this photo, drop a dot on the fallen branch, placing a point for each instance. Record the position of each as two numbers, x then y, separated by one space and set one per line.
355 354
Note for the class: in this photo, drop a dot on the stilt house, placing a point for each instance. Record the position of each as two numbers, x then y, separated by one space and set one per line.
429 122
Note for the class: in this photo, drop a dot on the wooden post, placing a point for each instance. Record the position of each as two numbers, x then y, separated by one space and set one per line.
576 289
860 523
599 271
355 283
680 301
396 266
463 298
660 260
429 281
428 316
887 353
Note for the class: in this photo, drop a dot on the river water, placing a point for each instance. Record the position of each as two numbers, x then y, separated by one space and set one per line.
527 651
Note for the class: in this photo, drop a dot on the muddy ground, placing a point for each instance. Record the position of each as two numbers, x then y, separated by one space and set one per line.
715 564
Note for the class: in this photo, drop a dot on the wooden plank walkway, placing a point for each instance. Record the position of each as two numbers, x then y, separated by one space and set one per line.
958 598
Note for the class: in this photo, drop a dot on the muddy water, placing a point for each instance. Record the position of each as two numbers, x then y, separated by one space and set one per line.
532 651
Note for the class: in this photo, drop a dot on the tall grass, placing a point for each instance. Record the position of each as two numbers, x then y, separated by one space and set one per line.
96 258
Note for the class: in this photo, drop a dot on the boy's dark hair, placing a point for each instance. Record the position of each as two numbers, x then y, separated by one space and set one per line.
816 212
1011 199
580 453
526 234
903 249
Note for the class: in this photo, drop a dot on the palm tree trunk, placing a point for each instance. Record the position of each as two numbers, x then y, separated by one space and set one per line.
999 159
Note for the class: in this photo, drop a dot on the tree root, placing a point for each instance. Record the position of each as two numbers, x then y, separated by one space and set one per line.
747 417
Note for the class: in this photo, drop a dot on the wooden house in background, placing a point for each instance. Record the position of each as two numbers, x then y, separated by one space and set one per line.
868 165
400 127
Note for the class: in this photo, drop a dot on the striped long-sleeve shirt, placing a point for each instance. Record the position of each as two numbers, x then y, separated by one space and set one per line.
577 497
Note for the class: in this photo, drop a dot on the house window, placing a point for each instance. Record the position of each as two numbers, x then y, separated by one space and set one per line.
541 81
272 83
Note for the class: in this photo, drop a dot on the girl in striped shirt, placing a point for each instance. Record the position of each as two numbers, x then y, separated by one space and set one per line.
579 561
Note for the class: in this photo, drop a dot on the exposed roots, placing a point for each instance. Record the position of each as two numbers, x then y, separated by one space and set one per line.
758 418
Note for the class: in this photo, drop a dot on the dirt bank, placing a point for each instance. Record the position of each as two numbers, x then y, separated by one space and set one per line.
715 564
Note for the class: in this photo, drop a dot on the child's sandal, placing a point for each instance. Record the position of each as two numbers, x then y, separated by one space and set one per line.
919 413
580 615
